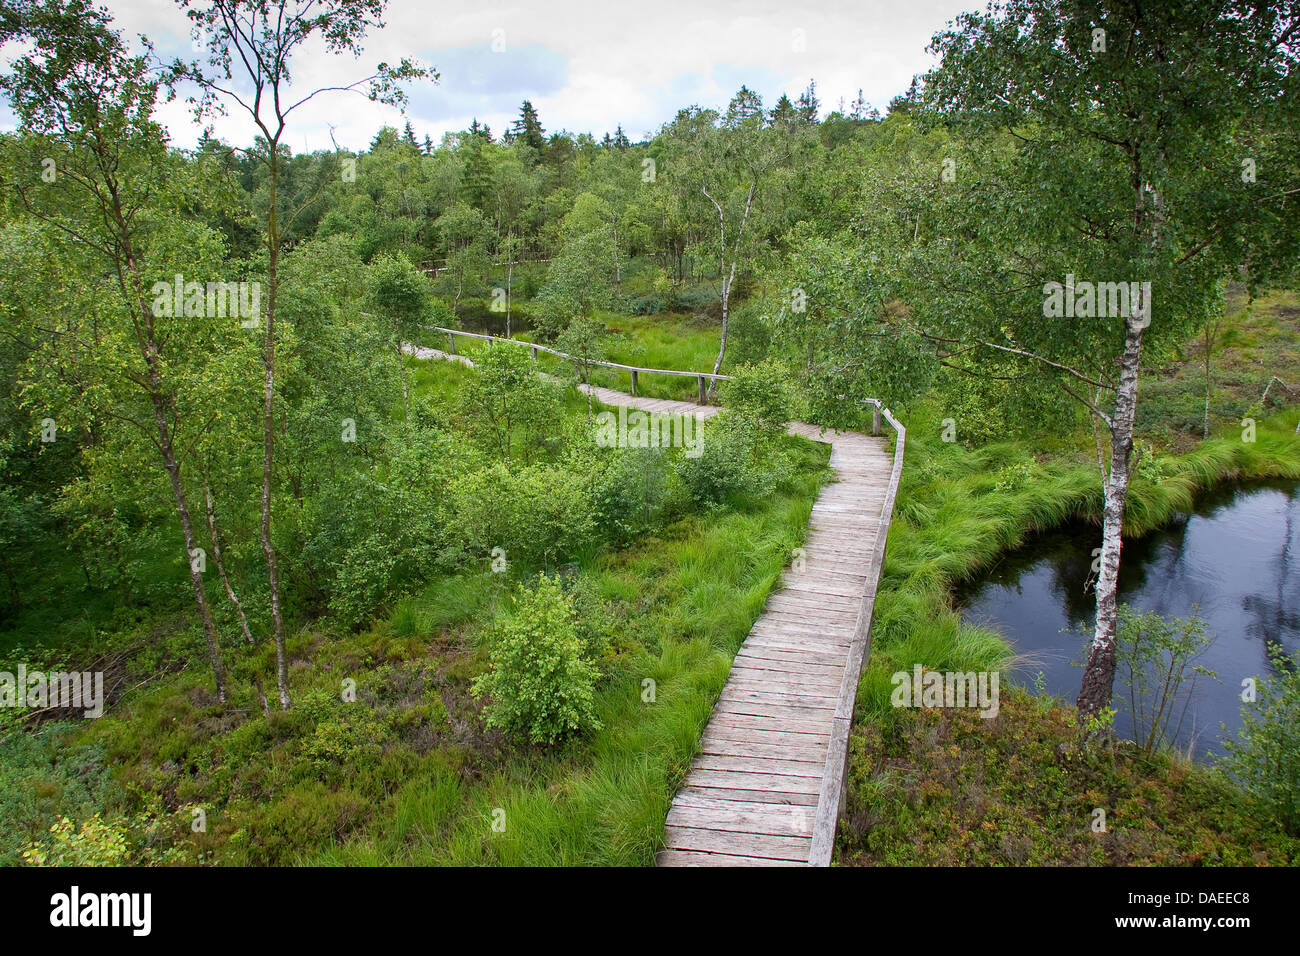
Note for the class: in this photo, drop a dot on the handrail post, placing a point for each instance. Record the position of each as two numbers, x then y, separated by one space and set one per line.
633 381
699 380
451 340
534 353
875 420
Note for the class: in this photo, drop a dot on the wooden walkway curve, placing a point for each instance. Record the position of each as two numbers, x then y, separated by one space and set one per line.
766 788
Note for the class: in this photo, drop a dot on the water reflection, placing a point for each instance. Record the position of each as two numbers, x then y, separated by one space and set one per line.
1231 562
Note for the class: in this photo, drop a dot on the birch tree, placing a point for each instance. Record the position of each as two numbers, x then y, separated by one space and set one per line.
251 45
104 188
728 164
1110 142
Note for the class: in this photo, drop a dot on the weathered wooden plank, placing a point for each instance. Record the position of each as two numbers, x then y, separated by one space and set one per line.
815 716
830 638
739 780
691 858
823 636
747 844
800 610
746 795
775 738
744 694
773 820
828 652
854 575
801 682
784 722
789 688
803 628
812 700
825 607
819 584
747 663
813 753
786 659
767 765
832 641
756 678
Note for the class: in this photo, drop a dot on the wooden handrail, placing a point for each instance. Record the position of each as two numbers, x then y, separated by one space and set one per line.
830 801
535 347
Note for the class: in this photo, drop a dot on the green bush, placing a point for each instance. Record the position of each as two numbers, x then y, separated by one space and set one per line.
1266 756
538 515
307 814
362 580
115 841
749 339
725 465
540 684
630 494
698 298
378 531
95 842
760 396
44 776
988 409
510 409
345 743
1156 661
649 304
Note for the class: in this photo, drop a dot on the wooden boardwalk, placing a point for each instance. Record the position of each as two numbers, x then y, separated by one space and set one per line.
755 793
766 787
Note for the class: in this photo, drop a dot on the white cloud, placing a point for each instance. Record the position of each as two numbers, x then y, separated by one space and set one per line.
588 66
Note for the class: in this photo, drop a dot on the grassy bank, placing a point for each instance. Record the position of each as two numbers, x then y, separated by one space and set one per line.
945 787
957 511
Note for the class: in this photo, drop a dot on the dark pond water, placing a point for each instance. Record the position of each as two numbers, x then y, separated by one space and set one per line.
1235 562
486 322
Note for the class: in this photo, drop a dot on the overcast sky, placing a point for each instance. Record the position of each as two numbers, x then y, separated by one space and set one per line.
587 65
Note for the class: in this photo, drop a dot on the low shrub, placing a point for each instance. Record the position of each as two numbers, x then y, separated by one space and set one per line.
538 516
725 466
1266 756
540 684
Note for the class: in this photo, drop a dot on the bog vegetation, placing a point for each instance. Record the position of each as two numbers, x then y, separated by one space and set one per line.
357 607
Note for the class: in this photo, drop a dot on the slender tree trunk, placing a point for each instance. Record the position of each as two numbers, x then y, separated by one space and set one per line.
215 536
173 467
401 364
149 351
268 430
221 564
722 346
1099 670
510 275
728 277
1205 430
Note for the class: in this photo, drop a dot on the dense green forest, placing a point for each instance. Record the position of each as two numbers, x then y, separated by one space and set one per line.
321 575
